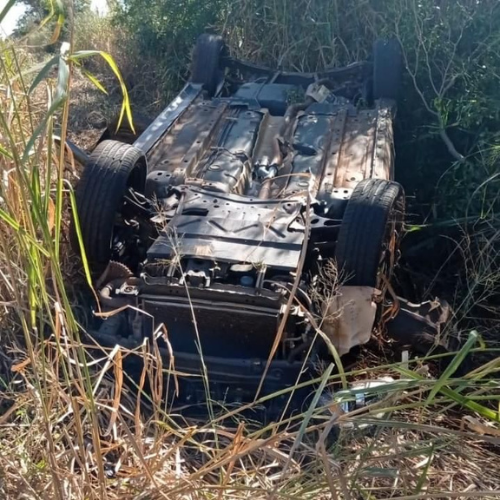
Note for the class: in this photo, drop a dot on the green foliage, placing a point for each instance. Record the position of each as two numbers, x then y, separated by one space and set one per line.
164 32
450 106
40 11
301 35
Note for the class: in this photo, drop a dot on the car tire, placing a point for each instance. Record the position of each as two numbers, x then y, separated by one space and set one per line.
387 69
125 133
113 168
369 232
206 64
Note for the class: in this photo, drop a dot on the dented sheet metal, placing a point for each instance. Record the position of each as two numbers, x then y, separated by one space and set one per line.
349 317
235 149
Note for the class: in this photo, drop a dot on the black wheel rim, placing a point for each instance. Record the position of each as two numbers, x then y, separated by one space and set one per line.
132 224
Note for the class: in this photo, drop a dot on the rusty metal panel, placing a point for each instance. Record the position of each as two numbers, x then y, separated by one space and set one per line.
147 140
179 150
361 148
231 228
226 166
232 240
332 160
383 157
331 150
311 142
356 151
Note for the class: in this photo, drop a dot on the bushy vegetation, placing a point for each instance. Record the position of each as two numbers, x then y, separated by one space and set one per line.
450 101
449 108
72 428
447 135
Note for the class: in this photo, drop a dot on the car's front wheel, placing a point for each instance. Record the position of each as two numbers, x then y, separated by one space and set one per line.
110 202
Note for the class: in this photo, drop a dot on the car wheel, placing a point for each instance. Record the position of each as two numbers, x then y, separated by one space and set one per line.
387 69
369 234
114 171
206 64
125 133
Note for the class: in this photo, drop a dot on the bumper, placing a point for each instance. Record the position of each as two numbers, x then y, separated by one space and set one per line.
231 381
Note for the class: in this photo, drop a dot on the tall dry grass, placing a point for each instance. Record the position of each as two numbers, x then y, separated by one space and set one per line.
302 35
75 425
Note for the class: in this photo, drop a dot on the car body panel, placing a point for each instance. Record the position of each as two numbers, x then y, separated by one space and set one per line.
247 190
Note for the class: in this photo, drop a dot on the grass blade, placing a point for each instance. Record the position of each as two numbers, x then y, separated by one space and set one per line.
125 109
43 73
453 366
95 81
6 9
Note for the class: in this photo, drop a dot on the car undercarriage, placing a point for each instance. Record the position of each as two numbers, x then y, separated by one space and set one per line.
252 228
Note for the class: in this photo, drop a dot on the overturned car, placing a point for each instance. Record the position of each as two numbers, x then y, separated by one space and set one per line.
256 218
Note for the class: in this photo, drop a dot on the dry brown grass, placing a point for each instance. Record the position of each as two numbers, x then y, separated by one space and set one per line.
149 452
302 35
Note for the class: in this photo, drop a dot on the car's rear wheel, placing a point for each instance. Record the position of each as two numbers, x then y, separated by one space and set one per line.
108 198
368 240
387 69
206 67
